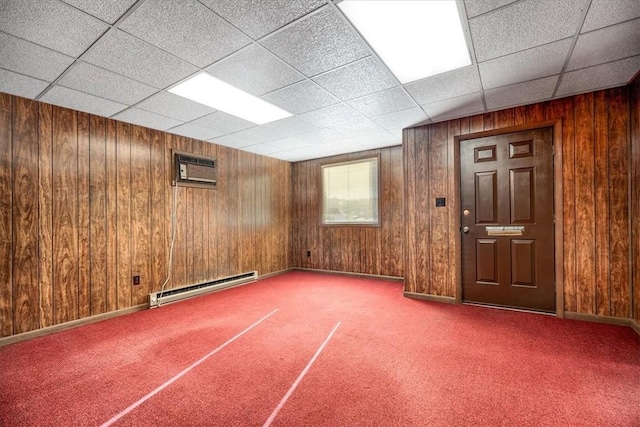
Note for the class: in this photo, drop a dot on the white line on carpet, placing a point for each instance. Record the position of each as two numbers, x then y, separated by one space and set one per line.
297 381
182 373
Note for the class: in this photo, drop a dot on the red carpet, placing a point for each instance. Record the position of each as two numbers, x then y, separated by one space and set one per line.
392 361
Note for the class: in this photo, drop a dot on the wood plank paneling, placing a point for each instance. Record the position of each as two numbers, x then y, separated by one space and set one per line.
411 245
234 216
84 293
222 212
94 209
26 307
438 224
140 213
65 214
585 204
159 183
635 192
6 213
213 221
111 159
601 219
45 226
563 109
619 146
124 227
421 205
98 214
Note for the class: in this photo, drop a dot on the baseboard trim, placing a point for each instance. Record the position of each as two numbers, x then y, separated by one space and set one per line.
347 273
25 336
427 297
635 326
596 319
274 274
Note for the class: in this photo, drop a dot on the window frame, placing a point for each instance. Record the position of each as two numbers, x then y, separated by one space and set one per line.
320 181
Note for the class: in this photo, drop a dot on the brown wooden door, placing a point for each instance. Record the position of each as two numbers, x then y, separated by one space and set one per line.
506 186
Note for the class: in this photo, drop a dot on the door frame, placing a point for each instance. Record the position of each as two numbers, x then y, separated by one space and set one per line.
557 201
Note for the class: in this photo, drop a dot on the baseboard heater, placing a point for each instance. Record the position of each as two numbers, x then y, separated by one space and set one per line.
176 294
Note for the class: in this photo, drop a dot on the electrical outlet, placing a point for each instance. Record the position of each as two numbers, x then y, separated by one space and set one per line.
308 253
136 280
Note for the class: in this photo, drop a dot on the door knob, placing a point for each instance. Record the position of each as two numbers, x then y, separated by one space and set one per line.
465 229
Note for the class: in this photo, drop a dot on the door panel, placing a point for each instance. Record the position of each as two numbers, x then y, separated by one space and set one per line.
487 261
522 189
506 185
487 206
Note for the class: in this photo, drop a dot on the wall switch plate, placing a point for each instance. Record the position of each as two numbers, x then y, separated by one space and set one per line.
136 280
308 253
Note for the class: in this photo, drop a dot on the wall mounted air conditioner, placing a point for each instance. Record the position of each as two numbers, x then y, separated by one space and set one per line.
194 170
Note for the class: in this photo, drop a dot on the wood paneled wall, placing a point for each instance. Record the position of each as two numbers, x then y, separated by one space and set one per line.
357 249
596 148
86 204
635 193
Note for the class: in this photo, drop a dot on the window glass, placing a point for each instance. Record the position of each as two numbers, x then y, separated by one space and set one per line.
350 192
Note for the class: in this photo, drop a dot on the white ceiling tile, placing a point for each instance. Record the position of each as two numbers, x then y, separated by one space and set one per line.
530 64
27 58
147 119
290 143
258 18
401 119
192 131
521 93
334 43
126 55
231 141
19 85
524 25
320 136
603 13
223 123
464 105
478 7
51 23
97 81
336 147
446 85
353 128
170 105
357 79
289 156
397 133
260 134
292 126
376 139
384 102
333 115
263 149
599 77
255 70
189 30
80 101
608 44
301 97
108 11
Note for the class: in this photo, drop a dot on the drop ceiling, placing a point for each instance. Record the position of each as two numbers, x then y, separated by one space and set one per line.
118 58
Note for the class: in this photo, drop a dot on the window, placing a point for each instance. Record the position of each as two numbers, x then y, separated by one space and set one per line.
350 192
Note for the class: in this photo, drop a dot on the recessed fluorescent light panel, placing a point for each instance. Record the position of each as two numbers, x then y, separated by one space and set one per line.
415 39
208 90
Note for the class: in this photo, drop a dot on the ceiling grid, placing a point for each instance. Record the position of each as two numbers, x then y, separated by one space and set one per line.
118 59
